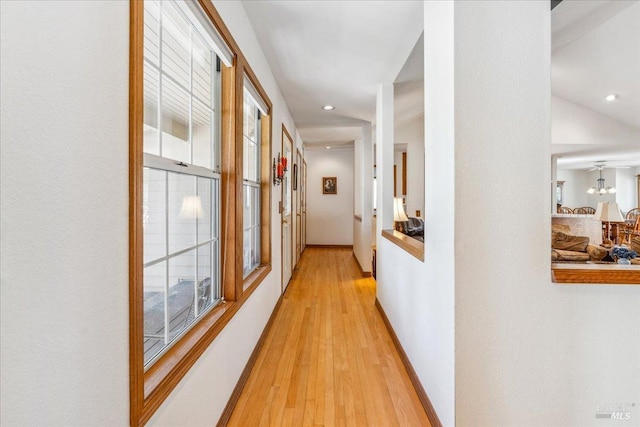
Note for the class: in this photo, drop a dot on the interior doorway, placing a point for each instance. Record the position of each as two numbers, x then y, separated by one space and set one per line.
285 210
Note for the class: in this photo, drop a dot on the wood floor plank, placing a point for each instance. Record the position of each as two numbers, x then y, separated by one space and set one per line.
328 358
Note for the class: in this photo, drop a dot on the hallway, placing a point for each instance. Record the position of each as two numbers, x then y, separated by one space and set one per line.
328 358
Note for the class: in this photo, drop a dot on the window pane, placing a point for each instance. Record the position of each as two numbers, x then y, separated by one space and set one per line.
181 304
256 247
176 45
248 204
247 252
202 135
175 122
205 220
255 213
202 71
152 31
184 208
205 279
154 214
155 280
253 161
151 88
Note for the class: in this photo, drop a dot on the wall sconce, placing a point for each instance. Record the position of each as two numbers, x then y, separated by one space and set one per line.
279 168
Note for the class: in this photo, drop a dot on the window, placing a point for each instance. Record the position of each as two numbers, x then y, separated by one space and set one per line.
186 212
251 184
181 181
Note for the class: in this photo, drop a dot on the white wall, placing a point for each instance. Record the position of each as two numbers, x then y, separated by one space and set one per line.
412 134
418 297
330 216
575 188
64 155
626 191
528 352
574 124
64 248
363 233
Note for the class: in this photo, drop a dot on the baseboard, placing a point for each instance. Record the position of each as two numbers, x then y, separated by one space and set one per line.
422 394
331 246
362 272
244 377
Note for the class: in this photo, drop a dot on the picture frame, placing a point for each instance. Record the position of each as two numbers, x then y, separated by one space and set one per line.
329 185
295 177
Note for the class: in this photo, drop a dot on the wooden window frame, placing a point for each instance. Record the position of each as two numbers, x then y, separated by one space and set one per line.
149 389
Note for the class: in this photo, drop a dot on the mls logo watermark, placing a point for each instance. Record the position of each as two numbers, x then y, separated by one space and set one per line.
615 411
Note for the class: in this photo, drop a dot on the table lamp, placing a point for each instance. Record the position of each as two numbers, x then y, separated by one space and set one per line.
608 212
398 213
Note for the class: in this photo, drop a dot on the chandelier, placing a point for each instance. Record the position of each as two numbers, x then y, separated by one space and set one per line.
601 189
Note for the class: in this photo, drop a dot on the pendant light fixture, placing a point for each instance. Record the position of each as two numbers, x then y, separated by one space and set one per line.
600 188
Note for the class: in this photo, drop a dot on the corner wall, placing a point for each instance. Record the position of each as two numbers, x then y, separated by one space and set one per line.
528 351
64 247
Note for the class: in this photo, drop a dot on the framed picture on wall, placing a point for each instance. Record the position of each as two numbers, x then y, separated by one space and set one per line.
329 185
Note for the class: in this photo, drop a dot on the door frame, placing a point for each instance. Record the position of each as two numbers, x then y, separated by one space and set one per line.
285 282
298 198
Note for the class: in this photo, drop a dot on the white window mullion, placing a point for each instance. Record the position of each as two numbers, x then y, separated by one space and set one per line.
166 265
160 74
191 93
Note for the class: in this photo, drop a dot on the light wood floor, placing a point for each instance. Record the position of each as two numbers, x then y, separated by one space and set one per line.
328 359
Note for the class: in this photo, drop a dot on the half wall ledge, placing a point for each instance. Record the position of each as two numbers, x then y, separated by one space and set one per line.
603 274
409 244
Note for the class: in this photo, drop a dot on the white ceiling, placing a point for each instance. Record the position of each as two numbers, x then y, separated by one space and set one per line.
334 52
596 52
337 52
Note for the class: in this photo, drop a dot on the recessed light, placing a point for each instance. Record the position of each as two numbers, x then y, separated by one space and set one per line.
328 107
327 147
612 97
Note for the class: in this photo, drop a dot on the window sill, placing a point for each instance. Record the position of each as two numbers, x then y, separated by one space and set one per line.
165 374
409 244
254 279
604 274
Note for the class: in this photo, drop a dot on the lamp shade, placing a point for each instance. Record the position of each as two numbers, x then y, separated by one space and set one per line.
191 207
398 210
608 212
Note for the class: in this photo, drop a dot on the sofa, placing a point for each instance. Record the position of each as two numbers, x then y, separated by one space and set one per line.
566 247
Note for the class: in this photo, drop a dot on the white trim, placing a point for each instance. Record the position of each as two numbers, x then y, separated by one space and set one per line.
253 93
199 20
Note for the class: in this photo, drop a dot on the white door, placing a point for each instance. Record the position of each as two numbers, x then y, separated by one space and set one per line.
298 198
287 147
303 204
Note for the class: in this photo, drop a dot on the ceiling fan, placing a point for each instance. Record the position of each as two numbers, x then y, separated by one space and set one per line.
600 165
